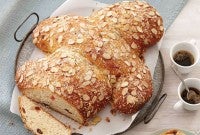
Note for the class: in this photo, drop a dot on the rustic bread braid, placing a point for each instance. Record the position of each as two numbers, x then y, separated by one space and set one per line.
37 120
107 46
106 50
67 82
137 22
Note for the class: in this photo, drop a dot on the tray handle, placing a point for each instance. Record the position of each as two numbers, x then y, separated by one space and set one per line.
32 14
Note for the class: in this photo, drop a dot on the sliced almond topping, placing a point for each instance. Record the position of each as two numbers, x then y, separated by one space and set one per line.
88 113
124 91
100 12
29 73
151 13
109 13
105 39
85 84
133 69
146 42
51 87
21 78
124 84
161 28
88 49
133 92
46 29
23 67
34 82
127 7
154 31
51 33
139 29
91 20
71 41
60 39
134 56
113 80
144 71
79 40
103 24
58 92
60 30
112 35
134 46
35 40
54 69
114 20
139 87
101 97
97 49
63 55
135 36
93 80
94 99
133 63
88 75
136 6
55 25
72 30
101 17
145 84
130 99
136 83
36 34
116 55
75 17
58 84
100 44
86 97
72 71
127 63
51 42
70 89
159 22
106 56
139 76
157 13
91 33
94 56
80 35
82 25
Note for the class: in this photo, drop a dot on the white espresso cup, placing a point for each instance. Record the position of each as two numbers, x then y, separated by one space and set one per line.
190 82
185 46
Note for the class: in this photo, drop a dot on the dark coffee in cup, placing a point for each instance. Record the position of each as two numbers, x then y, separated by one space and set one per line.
183 58
193 97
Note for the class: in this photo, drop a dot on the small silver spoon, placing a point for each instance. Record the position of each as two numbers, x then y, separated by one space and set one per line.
180 77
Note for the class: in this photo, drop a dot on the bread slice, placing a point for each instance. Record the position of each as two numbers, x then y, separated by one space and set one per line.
39 121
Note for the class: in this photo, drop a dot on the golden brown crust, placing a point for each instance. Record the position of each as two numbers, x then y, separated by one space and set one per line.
113 40
136 22
69 75
133 91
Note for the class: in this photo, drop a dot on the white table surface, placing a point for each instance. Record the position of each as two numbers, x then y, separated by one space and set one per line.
185 27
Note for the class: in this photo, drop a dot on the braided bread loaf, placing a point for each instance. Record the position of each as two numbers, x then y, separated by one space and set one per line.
67 82
111 42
